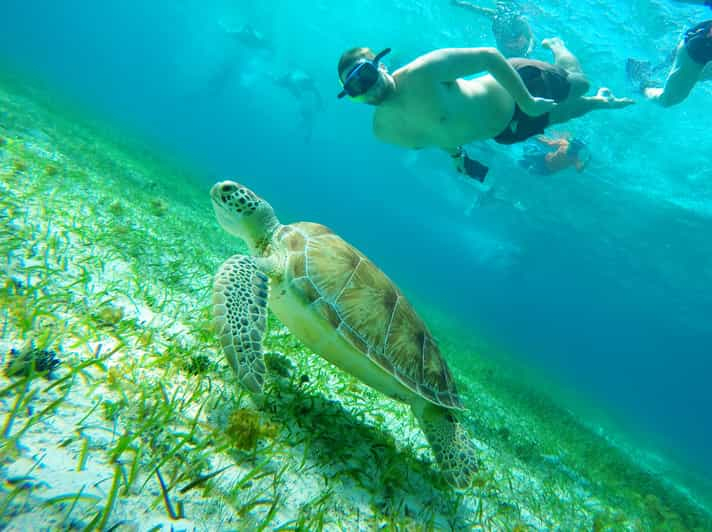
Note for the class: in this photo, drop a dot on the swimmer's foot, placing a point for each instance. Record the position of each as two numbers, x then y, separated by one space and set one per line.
653 93
555 44
605 96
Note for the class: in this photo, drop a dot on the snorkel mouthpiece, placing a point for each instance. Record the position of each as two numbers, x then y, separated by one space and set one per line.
362 76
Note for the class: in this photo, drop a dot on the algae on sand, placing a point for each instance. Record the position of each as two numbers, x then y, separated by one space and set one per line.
137 425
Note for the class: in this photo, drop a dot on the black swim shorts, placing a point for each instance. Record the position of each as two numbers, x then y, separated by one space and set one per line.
698 42
543 80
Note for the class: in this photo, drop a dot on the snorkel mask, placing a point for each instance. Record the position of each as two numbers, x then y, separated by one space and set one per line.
362 76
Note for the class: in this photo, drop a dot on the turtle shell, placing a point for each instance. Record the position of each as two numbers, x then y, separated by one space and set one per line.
366 308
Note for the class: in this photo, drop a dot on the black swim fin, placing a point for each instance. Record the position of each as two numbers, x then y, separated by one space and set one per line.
475 169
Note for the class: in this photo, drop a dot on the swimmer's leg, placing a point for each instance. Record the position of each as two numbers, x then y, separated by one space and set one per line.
568 61
683 75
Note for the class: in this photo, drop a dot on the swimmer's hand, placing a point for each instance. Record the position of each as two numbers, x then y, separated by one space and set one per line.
537 106
605 96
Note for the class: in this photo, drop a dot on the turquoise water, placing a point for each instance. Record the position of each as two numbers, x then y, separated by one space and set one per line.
599 281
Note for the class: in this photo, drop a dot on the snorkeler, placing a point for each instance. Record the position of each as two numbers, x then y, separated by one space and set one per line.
692 55
304 89
511 30
426 103
244 54
564 152
248 36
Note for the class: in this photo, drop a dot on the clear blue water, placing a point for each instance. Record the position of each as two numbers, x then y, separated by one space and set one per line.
600 279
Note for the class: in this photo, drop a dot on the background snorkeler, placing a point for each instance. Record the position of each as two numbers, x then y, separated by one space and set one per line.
512 33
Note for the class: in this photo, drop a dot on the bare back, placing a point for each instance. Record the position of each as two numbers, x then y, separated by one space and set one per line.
425 113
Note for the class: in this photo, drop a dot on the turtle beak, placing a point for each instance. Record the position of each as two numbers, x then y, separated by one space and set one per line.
229 220
220 196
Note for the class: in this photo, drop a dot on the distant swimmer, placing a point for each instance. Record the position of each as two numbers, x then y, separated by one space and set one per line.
511 30
554 154
427 103
250 37
304 89
692 55
237 63
300 84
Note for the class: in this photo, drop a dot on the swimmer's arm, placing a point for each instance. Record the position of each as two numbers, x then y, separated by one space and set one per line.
546 140
449 64
561 151
477 9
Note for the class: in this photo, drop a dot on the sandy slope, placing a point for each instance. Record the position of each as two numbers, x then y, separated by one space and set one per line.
108 261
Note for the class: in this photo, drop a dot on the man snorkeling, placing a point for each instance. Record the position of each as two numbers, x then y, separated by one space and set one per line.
427 103
511 30
692 55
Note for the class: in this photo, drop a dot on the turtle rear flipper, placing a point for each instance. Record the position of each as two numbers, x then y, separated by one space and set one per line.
240 294
453 449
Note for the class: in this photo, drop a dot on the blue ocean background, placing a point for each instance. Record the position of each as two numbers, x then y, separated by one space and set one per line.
598 282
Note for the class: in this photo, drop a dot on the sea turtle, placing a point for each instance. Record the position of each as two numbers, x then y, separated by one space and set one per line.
342 307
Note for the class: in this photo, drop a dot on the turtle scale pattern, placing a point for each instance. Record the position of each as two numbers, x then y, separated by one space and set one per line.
366 308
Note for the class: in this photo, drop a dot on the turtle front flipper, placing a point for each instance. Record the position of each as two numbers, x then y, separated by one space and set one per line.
453 449
240 295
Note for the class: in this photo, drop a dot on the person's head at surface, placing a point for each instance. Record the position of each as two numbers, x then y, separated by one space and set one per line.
513 34
518 46
364 78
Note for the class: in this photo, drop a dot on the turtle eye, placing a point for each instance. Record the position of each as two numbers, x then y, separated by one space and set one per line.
228 188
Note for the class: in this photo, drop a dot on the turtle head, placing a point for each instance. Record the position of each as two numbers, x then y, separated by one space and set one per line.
244 214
